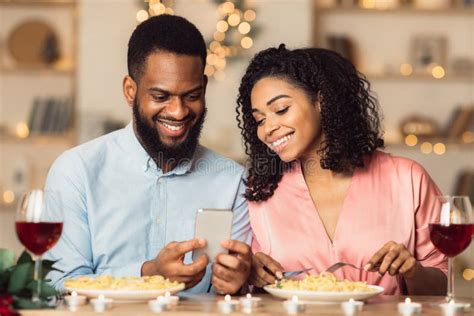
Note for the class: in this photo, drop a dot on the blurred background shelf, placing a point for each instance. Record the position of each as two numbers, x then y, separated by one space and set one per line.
467 78
36 70
403 10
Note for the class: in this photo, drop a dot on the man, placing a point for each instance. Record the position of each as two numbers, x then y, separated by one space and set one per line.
131 196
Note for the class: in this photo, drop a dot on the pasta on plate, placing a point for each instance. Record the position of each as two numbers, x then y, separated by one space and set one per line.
106 282
324 282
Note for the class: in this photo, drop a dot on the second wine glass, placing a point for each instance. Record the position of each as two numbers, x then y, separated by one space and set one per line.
452 232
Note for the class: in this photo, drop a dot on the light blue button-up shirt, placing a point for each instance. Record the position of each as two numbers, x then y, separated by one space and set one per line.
120 209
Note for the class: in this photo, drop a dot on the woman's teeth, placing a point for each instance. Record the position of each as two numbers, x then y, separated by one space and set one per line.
280 141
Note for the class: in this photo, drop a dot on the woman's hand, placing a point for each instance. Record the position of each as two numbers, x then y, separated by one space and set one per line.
393 258
265 270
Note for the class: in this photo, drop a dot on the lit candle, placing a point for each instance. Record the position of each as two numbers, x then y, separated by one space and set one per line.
351 307
171 300
452 308
228 305
101 303
74 300
158 305
248 302
293 306
409 307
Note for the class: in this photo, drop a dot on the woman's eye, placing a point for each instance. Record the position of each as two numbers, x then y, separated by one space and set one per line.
260 122
282 111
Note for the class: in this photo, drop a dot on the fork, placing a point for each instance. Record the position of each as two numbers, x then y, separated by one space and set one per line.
339 265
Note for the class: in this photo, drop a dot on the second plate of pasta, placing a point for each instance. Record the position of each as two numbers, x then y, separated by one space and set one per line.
323 288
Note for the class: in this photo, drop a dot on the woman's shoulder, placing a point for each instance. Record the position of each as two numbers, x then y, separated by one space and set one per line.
387 163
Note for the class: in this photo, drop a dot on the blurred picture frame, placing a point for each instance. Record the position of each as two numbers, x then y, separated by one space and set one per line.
427 50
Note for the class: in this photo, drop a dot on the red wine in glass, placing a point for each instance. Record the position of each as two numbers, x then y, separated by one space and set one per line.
39 237
451 239
39 224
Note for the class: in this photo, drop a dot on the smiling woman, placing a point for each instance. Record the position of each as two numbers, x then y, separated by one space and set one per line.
319 190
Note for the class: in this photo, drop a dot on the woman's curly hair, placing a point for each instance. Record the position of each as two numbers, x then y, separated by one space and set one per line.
350 122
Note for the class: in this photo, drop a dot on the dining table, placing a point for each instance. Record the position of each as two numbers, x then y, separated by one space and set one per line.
207 305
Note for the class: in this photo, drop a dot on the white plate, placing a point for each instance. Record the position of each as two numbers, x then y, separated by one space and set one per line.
127 295
324 297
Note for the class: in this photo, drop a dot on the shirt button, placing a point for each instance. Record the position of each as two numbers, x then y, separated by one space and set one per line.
160 180
158 220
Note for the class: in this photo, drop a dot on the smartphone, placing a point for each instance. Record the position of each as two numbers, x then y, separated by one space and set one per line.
213 225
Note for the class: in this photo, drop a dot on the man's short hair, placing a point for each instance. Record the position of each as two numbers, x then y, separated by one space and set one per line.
168 33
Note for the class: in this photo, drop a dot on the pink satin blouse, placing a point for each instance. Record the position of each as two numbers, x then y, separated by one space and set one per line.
391 198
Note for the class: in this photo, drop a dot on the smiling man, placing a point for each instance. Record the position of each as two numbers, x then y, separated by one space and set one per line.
131 197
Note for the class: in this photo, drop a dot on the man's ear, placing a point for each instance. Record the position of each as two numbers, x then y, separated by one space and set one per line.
129 90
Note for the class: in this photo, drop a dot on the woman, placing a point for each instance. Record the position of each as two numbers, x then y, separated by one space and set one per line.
319 190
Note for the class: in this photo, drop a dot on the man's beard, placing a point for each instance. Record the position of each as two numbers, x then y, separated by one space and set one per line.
159 151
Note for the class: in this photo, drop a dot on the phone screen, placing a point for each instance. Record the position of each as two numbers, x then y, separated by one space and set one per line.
213 225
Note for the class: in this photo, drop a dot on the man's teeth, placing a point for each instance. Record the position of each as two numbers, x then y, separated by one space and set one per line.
280 141
172 127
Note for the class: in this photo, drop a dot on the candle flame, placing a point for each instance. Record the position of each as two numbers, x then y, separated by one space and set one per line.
294 298
101 296
407 300
249 295
167 294
451 302
227 298
74 293
351 300
159 298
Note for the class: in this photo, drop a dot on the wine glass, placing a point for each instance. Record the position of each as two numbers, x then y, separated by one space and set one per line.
39 223
453 230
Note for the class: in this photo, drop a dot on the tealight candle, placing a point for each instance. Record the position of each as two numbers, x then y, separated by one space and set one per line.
158 305
171 300
409 307
101 303
452 308
228 305
351 307
293 306
74 300
250 301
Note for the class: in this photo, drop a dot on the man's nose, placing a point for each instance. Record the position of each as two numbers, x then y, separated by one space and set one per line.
177 109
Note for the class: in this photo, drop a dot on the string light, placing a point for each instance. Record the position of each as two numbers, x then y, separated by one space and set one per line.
406 69
244 27
142 15
439 148
411 140
426 148
438 72
246 42
8 197
22 130
234 17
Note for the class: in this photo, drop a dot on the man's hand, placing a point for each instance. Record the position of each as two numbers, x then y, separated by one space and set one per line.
169 263
393 258
230 271
262 264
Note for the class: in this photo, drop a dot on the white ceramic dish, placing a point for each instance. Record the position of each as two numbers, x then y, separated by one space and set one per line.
127 295
324 297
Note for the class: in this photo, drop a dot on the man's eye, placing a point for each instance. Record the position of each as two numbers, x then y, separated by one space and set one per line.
194 97
282 111
160 98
